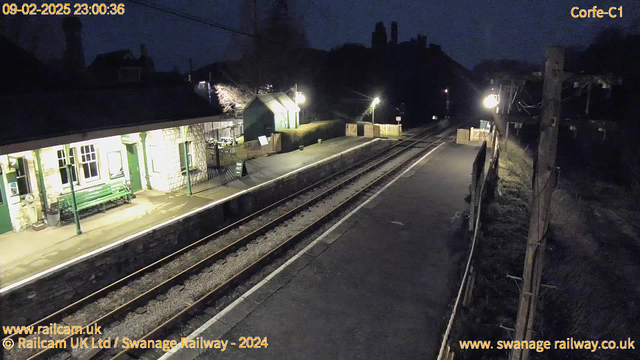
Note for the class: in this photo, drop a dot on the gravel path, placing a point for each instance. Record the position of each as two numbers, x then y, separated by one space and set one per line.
156 311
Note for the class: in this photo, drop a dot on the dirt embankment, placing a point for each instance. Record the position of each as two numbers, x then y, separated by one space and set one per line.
592 260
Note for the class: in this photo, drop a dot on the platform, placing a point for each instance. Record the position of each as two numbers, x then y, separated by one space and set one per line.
377 285
27 253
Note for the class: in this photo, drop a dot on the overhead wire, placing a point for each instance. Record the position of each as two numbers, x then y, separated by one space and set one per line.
203 21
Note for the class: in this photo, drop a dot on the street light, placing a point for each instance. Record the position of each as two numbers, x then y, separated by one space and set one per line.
375 102
446 91
491 101
300 99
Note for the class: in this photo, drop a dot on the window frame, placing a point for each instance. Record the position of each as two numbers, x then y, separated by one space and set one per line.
86 159
74 166
22 164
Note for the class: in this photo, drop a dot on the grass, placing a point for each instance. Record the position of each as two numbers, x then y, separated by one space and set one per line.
591 257
500 251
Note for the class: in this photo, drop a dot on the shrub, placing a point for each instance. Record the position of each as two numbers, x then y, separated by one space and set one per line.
308 134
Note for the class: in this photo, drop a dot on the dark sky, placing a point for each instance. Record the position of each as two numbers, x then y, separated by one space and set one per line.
468 30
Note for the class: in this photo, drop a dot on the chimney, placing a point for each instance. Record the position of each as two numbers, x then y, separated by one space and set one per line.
74 53
379 36
394 33
143 51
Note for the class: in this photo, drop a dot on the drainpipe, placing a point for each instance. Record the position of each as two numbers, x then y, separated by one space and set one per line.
74 203
143 138
186 158
43 191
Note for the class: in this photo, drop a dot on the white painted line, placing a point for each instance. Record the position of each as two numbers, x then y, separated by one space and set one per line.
170 221
243 297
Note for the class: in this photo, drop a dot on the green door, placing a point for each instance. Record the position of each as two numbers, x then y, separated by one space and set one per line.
5 218
134 167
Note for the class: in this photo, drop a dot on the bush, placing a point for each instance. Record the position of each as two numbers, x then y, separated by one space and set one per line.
308 134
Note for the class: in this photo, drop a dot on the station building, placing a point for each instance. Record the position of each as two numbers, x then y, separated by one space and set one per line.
269 113
122 137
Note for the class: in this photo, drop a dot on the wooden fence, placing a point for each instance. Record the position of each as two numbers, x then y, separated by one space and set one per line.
476 136
482 178
249 150
462 136
351 129
390 129
371 130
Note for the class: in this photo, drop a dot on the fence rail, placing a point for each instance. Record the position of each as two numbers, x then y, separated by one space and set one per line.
481 176
249 150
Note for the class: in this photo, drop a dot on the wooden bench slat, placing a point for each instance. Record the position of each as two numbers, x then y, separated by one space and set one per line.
90 197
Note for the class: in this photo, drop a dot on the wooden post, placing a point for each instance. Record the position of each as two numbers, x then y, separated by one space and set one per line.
543 182
74 203
472 202
477 176
468 292
506 137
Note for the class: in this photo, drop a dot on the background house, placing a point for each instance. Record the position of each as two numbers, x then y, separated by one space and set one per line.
121 66
269 113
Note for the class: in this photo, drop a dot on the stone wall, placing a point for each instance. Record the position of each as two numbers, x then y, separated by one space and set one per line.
164 158
49 293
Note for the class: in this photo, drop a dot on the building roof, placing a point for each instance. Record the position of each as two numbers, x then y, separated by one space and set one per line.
114 59
31 117
276 102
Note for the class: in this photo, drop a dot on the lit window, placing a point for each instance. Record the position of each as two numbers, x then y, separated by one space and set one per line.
89 159
62 165
181 153
114 160
22 176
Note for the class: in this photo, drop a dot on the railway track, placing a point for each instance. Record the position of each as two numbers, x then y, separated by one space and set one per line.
373 171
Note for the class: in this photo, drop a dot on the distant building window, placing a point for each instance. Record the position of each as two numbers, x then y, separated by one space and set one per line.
89 159
114 161
129 74
62 165
22 176
155 164
181 151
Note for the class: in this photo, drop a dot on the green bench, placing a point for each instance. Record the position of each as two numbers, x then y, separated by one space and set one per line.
94 196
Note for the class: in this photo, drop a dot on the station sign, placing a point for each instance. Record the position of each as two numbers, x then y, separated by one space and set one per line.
241 168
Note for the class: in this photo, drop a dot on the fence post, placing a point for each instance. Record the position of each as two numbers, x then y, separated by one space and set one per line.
472 201
217 155
469 289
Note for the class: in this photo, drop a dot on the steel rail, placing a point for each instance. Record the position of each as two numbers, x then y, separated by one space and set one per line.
165 285
51 318
255 266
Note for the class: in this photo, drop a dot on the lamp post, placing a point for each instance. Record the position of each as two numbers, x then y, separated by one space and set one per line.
299 99
184 130
491 101
446 91
74 202
375 102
